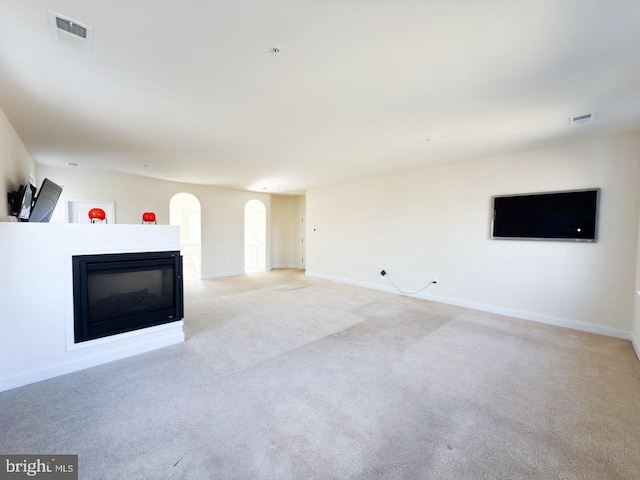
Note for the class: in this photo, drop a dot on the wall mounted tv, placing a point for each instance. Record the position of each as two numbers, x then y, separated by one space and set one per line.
570 216
45 201
21 202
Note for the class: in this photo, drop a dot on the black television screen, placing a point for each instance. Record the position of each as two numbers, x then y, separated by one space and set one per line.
45 201
21 201
567 216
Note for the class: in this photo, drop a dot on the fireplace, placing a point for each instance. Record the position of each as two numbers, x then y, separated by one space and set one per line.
117 293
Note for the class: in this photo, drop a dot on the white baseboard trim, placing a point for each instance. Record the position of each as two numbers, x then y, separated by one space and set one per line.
211 276
297 267
166 338
636 344
509 312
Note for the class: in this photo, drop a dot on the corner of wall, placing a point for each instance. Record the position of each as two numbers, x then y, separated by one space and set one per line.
16 163
636 344
634 336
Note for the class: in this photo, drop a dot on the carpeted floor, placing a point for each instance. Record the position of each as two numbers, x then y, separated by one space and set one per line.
288 377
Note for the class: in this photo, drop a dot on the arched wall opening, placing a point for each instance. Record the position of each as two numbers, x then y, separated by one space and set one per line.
184 210
255 236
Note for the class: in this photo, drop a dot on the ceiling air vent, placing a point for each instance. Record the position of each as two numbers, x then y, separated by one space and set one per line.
67 30
587 117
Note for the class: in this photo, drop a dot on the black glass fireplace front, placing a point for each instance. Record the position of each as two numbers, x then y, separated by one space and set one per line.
117 293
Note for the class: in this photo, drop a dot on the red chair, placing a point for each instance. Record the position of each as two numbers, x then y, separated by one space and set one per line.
149 218
97 214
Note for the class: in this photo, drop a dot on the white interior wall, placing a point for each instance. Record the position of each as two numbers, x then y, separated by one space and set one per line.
435 223
285 231
15 163
222 209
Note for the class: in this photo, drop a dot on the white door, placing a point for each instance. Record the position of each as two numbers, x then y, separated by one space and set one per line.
303 247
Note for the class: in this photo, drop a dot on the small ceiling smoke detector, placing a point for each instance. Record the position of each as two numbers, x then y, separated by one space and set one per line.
67 30
274 50
587 117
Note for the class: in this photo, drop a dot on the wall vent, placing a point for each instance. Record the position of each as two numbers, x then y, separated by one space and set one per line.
587 117
67 30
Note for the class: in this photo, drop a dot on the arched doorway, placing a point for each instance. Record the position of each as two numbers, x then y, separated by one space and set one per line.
255 236
184 210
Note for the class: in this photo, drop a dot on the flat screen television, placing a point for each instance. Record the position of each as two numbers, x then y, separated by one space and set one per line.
21 202
570 216
45 201
28 193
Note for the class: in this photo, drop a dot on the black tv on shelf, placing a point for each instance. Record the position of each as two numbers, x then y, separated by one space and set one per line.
21 202
570 215
26 202
45 202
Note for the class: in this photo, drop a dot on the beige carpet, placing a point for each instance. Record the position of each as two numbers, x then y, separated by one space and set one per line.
288 377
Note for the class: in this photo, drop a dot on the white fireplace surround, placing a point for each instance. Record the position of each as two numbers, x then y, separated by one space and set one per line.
37 321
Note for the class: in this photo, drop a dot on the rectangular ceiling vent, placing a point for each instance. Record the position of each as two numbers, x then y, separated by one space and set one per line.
66 30
587 117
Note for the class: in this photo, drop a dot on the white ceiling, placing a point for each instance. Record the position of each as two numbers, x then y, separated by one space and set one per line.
187 90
